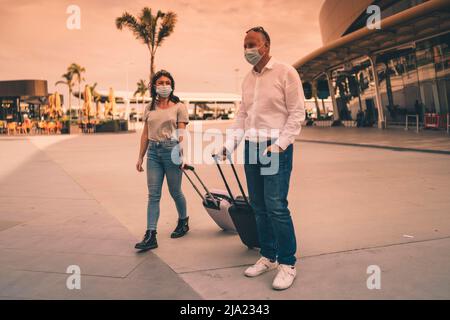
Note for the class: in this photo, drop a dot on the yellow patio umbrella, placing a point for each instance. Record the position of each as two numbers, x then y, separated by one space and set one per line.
112 102
57 104
50 108
97 101
87 105
106 109
97 108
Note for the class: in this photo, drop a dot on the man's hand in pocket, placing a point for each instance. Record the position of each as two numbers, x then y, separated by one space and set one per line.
273 148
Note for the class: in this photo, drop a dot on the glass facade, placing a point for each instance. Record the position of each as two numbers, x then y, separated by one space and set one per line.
411 81
355 94
8 108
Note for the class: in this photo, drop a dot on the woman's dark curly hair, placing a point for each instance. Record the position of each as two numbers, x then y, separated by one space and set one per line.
152 87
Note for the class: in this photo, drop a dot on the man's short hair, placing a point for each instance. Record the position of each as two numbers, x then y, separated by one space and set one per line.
262 31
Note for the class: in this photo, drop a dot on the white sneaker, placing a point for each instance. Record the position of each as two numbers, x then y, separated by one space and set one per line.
261 266
285 277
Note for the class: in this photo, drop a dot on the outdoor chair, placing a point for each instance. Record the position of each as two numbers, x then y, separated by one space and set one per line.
59 126
2 127
21 128
41 127
51 127
12 127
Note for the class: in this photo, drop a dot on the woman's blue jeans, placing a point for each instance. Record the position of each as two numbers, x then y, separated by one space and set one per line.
268 185
163 159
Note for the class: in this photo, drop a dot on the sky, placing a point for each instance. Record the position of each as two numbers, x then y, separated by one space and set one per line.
203 53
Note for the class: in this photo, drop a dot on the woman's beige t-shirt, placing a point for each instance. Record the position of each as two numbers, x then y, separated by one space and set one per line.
162 123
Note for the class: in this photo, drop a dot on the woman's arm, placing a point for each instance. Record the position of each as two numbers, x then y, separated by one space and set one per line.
143 148
181 127
182 141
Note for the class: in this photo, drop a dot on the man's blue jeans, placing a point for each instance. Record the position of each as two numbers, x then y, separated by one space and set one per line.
163 159
268 185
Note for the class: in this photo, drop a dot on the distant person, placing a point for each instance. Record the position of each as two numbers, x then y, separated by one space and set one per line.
26 124
132 119
360 118
165 119
418 109
273 101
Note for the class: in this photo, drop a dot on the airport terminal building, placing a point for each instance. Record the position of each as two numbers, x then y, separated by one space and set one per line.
384 74
22 96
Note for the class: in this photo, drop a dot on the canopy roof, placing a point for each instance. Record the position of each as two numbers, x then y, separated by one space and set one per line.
424 20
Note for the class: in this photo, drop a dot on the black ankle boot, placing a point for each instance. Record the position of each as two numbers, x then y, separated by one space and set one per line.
181 229
149 241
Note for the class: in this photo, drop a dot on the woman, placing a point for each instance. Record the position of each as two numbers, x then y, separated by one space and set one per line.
165 119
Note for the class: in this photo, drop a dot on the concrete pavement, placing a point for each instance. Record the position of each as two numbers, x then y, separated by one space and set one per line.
49 222
79 200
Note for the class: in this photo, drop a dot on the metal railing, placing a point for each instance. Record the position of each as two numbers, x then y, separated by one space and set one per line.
448 123
417 121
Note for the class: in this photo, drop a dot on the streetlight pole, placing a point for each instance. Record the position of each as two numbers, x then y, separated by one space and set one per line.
127 99
237 80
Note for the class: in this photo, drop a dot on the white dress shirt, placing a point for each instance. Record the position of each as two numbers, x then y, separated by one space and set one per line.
273 107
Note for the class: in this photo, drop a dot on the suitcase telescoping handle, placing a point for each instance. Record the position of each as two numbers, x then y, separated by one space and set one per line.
191 168
225 180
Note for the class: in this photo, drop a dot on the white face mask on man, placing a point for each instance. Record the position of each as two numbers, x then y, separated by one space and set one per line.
252 55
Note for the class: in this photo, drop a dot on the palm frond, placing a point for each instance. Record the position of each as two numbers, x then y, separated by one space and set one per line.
61 82
167 27
126 20
136 27
141 88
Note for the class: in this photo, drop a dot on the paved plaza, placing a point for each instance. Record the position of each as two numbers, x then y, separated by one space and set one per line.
359 197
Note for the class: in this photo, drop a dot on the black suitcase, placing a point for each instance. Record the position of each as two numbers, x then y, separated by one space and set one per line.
241 212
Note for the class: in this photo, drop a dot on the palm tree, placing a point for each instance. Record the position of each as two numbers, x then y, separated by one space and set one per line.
97 98
151 29
141 90
68 76
77 71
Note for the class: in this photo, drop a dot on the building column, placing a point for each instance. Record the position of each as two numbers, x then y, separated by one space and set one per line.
381 124
19 114
314 93
336 120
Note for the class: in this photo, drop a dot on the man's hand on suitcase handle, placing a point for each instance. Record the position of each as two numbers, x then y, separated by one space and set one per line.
188 167
222 154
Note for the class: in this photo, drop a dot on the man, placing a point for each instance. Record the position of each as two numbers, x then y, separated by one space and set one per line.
269 118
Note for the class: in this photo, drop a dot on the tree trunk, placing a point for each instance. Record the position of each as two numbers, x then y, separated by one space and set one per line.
70 104
79 95
70 108
152 66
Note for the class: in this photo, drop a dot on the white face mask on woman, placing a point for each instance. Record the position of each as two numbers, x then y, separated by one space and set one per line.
164 91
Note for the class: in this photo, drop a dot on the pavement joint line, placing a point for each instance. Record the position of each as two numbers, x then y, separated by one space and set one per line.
77 253
143 260
32 197
63 273
72 252
162 260
377 247
327 253
374 146
361 145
